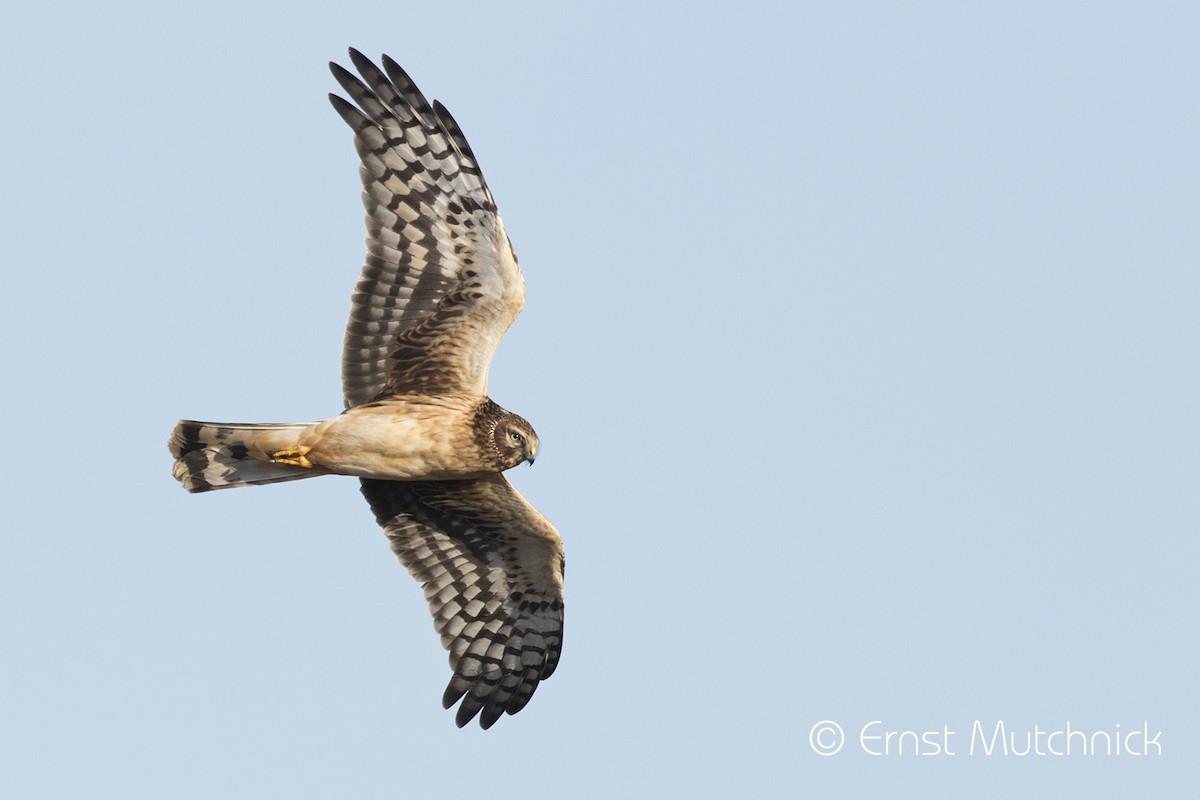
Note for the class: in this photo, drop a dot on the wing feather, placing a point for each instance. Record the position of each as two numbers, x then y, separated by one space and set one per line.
492 570
440 283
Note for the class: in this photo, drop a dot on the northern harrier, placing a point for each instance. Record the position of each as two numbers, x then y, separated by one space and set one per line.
440 286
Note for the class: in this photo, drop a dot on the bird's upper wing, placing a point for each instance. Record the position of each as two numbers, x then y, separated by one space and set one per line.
492 567
441 283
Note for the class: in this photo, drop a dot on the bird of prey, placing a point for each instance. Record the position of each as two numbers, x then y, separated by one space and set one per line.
439 287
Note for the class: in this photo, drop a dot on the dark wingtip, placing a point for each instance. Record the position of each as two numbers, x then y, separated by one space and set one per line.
362 63
338 71
489 716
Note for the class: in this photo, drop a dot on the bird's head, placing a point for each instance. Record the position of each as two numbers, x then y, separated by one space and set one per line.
515 440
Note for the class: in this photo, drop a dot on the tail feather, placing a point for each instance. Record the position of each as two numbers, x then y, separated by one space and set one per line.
214 455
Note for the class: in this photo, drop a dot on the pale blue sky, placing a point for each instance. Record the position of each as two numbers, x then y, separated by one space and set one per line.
861 339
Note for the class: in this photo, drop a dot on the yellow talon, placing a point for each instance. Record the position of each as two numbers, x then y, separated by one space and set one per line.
296 456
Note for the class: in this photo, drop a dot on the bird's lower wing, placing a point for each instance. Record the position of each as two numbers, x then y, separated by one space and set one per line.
492 569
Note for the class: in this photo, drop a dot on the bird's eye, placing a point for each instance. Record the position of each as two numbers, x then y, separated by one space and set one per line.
516 437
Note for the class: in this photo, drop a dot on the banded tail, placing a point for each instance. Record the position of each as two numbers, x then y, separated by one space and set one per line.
214 455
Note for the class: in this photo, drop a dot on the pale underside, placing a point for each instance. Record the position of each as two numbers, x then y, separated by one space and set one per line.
401 437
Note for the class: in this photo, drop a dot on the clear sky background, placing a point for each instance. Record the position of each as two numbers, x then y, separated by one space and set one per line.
861 339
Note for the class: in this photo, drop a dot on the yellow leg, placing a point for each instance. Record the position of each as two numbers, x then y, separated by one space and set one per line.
296 456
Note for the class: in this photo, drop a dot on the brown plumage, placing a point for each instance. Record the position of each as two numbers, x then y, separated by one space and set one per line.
439 287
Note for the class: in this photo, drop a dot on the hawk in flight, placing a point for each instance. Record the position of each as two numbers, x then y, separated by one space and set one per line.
439 287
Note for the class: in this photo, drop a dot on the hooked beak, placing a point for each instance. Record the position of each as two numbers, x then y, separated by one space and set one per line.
531 453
